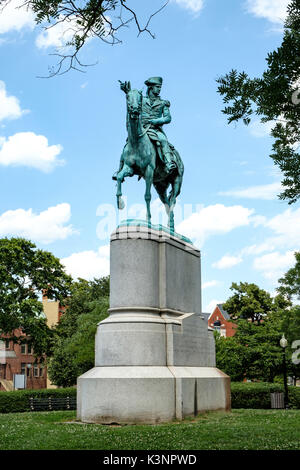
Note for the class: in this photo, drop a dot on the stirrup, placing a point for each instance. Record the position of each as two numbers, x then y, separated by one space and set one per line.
170 166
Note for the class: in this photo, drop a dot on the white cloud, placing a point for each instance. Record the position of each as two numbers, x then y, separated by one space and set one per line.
261 129
88 264
273 10
29 149
208 284
265 192
9 105
46 227
56 36
14 18
227 261
212 305
214 220
194 6
60 34
285 228
274 265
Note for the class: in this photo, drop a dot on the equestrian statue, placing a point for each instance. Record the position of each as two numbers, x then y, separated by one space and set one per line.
147 152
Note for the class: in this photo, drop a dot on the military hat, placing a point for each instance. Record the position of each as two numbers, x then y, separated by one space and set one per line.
154 81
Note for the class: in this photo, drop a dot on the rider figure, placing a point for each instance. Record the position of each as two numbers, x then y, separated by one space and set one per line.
155 113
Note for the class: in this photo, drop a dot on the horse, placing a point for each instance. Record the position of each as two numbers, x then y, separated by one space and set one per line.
141 157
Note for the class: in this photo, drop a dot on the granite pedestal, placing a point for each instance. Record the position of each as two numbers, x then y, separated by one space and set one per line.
154 354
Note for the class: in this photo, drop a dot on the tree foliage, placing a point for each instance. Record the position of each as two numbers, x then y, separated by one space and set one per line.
83 20
254 352
73 350
248 302
25 272
275 97
290 282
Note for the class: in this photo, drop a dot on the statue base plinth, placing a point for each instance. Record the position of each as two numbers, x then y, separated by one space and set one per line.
154 354
149 394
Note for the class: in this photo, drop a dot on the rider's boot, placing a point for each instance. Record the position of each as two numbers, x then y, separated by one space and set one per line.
170 164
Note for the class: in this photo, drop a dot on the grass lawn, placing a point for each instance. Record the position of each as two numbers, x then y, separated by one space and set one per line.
241 429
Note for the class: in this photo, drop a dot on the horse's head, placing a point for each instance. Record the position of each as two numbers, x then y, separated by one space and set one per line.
134 103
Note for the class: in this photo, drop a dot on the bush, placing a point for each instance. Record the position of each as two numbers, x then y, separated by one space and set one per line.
256 395
19 400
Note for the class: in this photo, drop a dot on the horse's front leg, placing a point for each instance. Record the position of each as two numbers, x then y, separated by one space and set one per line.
149 180
126 171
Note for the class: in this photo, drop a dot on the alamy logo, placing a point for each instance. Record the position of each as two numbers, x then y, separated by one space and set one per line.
296 354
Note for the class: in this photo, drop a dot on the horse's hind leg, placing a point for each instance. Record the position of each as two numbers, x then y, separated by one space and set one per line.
176 187
126 171
149 180
162 193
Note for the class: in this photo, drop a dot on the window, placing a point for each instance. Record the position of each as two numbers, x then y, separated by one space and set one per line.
7 344
26 349
217 325
36 370
23 368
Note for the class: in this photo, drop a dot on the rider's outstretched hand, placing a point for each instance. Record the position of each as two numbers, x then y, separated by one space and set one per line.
125 86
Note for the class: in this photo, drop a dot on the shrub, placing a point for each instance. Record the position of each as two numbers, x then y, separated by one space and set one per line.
256 395
19 400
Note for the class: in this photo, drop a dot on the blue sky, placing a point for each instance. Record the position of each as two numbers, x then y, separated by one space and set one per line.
61 140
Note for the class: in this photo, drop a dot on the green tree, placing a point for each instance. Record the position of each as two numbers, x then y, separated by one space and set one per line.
255 352
275 97
26 271
290 282
84 19
73 350
248 302
231 357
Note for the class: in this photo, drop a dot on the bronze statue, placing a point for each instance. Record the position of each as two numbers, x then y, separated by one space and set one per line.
147 152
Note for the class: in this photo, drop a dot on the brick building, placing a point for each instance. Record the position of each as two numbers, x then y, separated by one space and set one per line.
16 359
220 320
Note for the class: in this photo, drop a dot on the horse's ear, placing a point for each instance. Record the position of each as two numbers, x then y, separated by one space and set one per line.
141 92
128 86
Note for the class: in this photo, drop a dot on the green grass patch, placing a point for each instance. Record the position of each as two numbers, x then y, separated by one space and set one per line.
239 430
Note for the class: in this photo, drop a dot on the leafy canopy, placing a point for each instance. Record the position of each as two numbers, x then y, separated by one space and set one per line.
25 272
73 351
248 302
290 282
254 352
275 97
83 20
